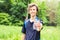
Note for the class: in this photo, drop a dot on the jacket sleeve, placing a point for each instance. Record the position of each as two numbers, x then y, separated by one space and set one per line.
24 29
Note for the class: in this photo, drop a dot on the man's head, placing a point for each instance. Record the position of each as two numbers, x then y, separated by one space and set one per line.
32 9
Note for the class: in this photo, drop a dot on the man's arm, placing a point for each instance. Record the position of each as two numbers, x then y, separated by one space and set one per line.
23 32
23 36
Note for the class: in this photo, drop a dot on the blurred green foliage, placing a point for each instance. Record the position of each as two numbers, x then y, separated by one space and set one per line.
57 19
5 19
42 12
16 11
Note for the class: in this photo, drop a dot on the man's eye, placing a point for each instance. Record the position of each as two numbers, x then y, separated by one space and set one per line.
33 9
30 9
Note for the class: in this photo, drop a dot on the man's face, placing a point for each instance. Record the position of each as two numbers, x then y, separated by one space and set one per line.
33 11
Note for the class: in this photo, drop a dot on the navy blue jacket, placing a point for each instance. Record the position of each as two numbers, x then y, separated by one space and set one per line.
30 33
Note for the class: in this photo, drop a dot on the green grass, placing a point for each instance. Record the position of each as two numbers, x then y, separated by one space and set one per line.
50 33
10 33
14 33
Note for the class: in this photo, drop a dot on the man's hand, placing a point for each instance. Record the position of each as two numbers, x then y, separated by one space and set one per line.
38 26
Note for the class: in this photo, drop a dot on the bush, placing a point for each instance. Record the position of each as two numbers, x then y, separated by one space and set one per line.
17 22
42 12
18 10
5 19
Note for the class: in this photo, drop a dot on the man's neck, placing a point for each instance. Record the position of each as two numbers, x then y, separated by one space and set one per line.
32 18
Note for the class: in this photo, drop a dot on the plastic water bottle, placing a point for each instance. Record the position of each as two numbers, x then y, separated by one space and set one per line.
34 27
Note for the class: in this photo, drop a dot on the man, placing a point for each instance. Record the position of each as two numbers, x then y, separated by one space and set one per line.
32 26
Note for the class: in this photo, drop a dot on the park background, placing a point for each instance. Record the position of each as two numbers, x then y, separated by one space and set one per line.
14 12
